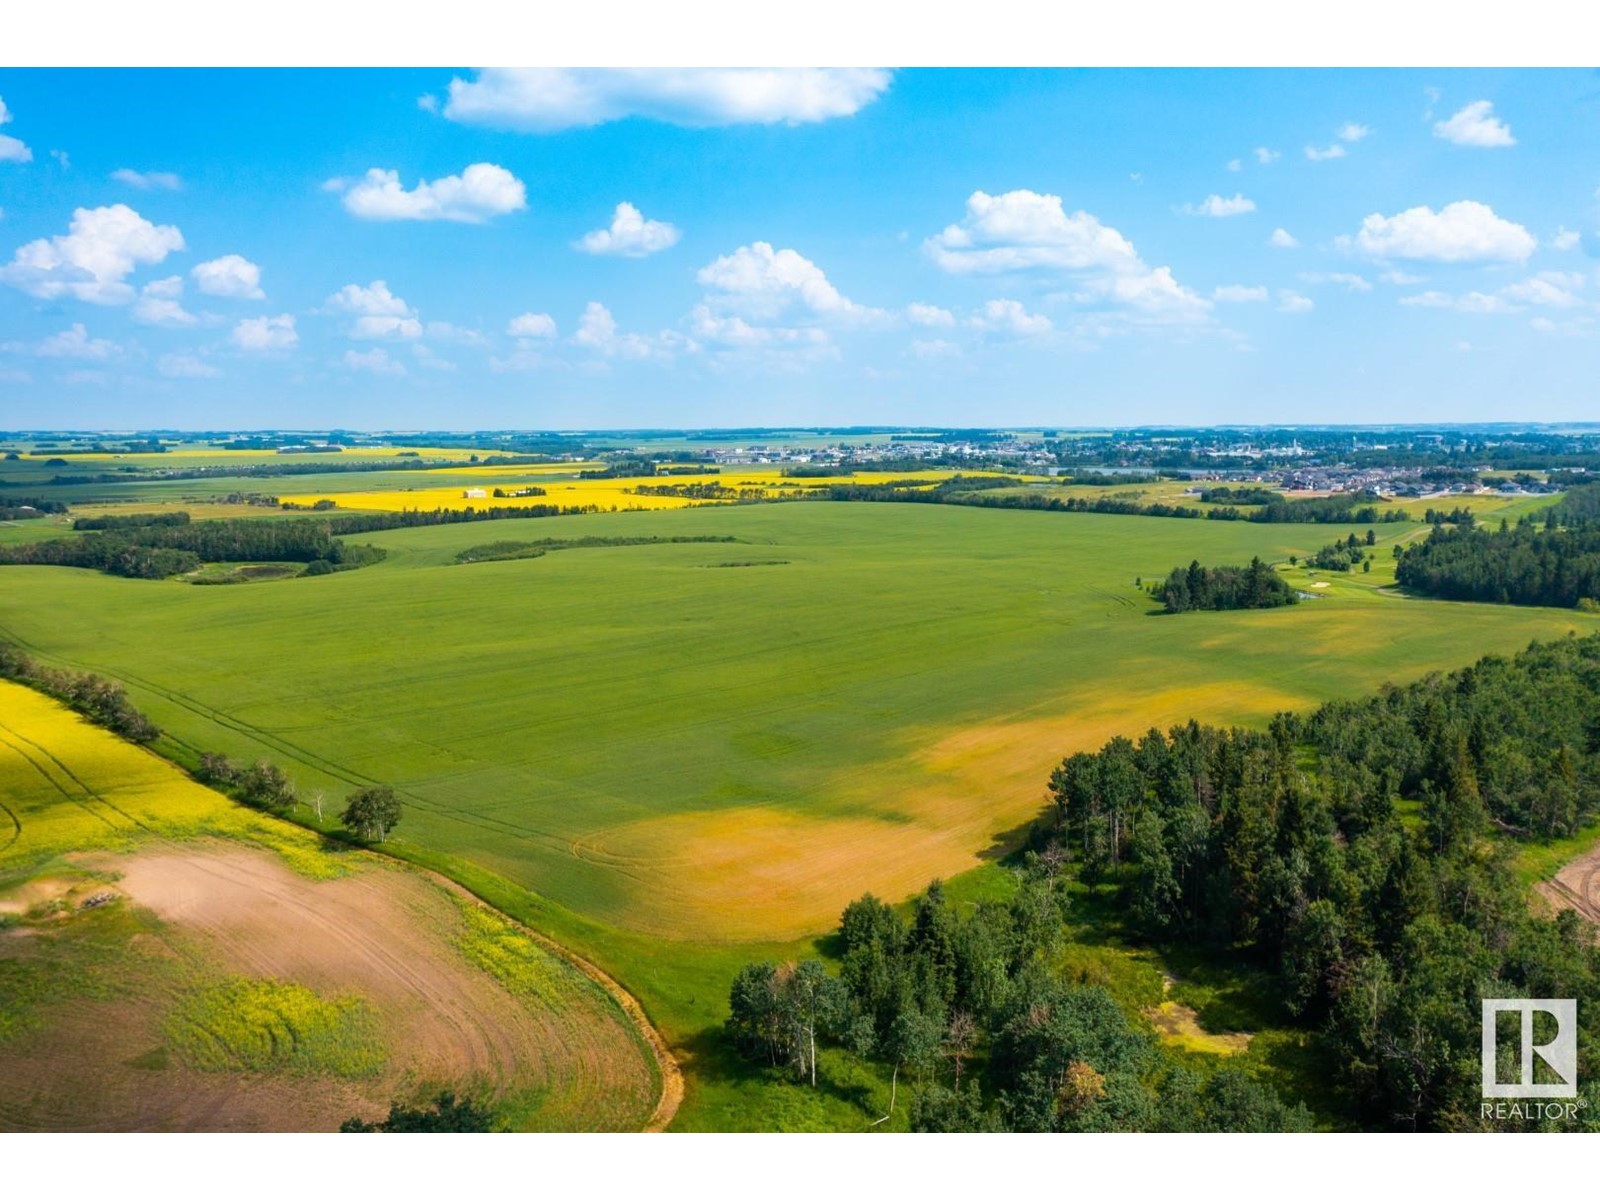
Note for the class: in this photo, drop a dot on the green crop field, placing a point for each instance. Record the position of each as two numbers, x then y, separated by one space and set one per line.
677 756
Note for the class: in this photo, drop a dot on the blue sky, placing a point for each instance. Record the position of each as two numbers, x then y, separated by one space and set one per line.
445 248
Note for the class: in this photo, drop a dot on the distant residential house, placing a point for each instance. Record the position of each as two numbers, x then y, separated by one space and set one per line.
474 494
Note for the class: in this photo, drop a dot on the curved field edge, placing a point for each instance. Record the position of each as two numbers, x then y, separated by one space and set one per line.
204 814
668 1074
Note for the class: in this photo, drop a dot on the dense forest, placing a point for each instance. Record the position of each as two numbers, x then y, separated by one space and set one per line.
1358 854
964 1009
1527 563
1196 587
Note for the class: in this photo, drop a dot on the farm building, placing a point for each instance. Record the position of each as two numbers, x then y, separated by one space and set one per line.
474 494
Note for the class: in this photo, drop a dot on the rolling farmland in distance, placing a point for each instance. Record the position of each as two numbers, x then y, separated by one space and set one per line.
676 757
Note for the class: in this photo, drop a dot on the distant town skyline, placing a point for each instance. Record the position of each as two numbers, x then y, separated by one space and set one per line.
437 249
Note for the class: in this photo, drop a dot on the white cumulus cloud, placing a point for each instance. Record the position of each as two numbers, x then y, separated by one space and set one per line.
75 342
763 282
1283 239
92 260
735 332
232 275
930 315
1352 132
1294 302
1546 289
1025 230
1009 316
598 331
1266 157
547 99
1352 283
480 192
1323 153
376 360
629 235
12 149
1481 303
1221 206
532 325
266 334
159 304
1238 293
378 312
1466 231
1475 125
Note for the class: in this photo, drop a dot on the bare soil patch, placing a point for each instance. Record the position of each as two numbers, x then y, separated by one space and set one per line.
1576 886
564 1058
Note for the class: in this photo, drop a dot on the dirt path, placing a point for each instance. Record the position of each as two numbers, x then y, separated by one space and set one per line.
671 1074
1576 886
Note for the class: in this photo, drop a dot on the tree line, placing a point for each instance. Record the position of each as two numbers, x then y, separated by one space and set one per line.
501 551
1346 508
28 508
160 546
129 521
96 698
1247 496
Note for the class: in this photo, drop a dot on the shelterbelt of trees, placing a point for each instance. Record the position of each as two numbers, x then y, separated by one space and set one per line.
1555 562
156 546
1352 508
27 508
96 698
1359 854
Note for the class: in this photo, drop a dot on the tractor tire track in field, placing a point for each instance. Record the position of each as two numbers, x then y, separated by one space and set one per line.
87 790
16 829
327 766
66 792
1576 886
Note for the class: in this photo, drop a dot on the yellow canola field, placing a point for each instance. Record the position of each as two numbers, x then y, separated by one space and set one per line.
608 494
67 785
453 453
